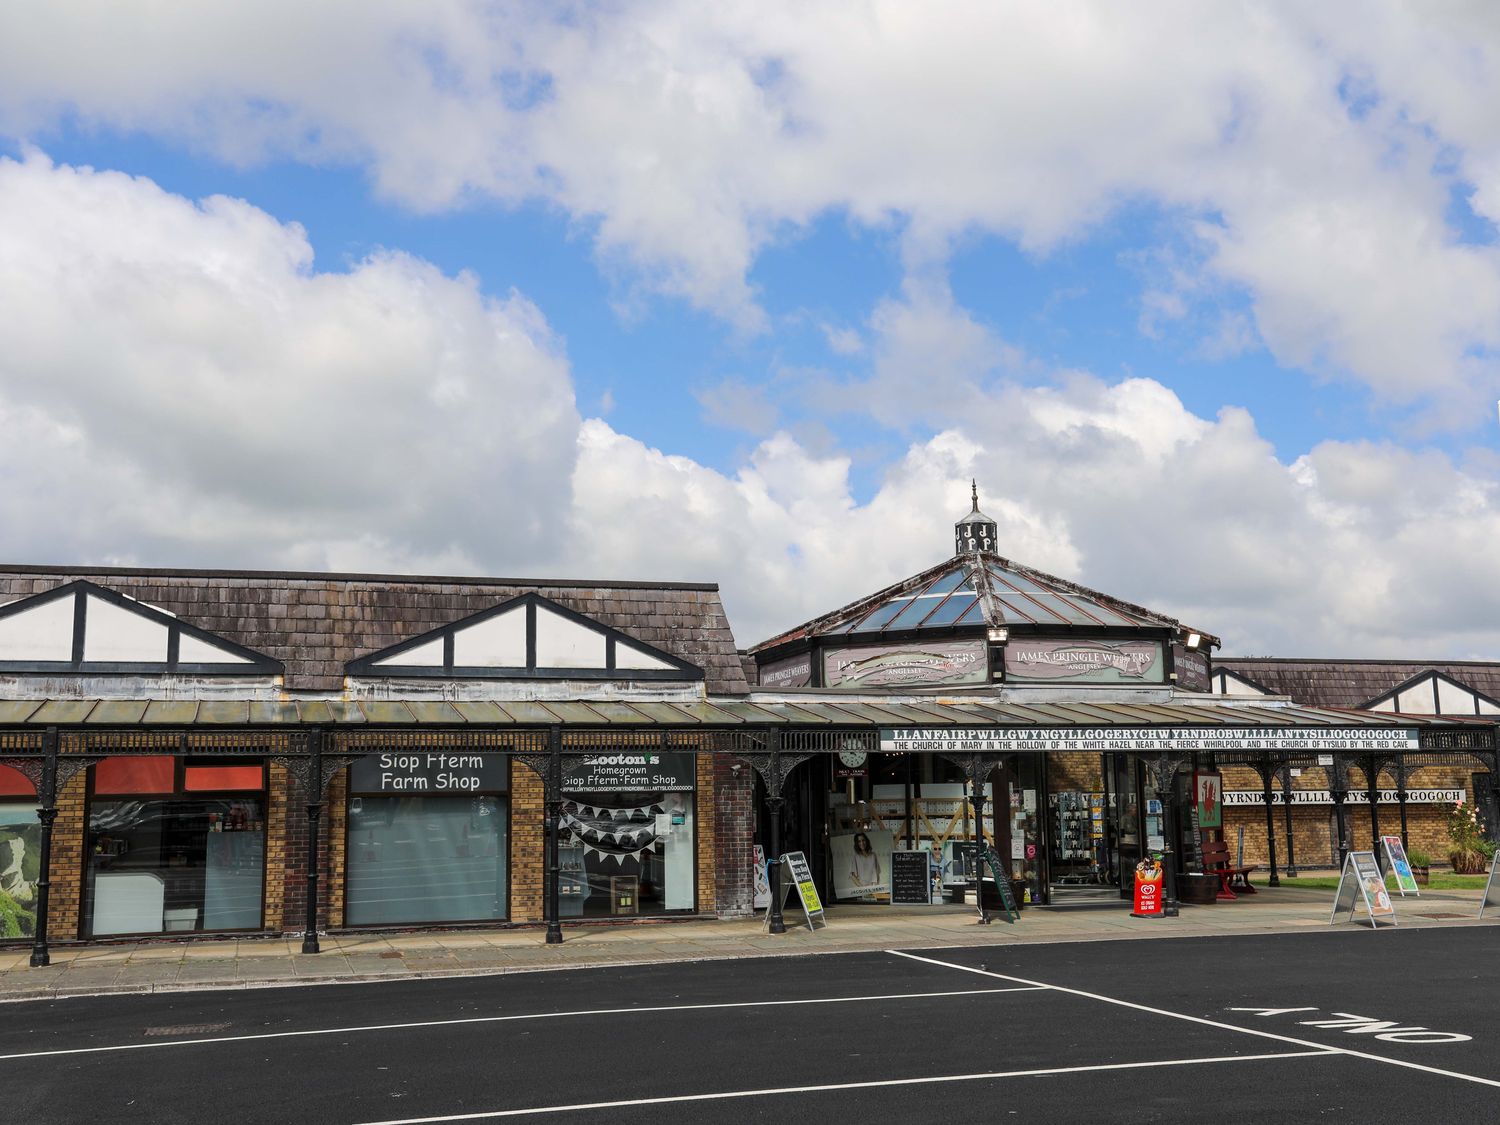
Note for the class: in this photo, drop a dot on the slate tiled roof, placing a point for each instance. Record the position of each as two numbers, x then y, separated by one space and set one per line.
316 623
1353 683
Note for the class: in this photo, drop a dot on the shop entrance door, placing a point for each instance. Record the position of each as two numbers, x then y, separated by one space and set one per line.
1126 775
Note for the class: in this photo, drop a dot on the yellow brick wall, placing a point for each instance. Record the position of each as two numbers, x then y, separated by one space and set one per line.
335 820
66 868
1075 770
527 845
705 820
276 814
1316 836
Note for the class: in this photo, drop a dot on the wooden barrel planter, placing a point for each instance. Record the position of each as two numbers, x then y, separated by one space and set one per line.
1197 890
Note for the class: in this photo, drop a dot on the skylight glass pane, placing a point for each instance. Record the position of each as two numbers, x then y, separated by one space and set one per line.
911 616
1102 612
973 616
881 616
1013 579
948 582
1063 608
1018 608
951 610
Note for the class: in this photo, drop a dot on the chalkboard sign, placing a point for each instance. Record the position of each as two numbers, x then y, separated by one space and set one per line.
1002 885
911 884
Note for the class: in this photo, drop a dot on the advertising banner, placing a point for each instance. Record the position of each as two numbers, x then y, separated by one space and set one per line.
1395 854
862 863
632 771
762 881
934 662
20 868
1148 881
1191 669
1089 662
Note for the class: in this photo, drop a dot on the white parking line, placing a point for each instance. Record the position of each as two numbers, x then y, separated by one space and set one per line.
726 1095
502 1019
1205 1022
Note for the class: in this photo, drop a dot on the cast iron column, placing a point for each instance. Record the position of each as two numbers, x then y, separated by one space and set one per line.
46 813
552 907
314 797
1401 797
774 802
1166 790
1372 788
1265 777
1339 790
976 798
1291 836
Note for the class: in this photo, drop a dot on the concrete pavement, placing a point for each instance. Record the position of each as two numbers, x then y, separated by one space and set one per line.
349 956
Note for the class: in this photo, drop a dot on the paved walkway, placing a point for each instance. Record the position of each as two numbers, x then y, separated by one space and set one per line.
262 962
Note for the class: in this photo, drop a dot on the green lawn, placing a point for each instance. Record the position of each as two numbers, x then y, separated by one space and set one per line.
1438 881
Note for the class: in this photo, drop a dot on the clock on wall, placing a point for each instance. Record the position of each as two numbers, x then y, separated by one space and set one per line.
853 758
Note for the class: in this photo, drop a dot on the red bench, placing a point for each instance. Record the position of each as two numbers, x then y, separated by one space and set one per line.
1231 878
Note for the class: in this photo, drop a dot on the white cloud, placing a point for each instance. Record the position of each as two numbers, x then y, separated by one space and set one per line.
180 382
1312 148
180 385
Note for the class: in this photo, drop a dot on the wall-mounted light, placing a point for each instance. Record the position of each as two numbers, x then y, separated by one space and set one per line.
1193 641
998 634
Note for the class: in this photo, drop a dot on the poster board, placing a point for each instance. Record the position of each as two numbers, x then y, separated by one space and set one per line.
861 863
761 881
1208 799
1491 896
1361 880
1002 884
911 882
798 877
1395 856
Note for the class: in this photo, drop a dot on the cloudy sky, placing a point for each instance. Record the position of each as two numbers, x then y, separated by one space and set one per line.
1206 296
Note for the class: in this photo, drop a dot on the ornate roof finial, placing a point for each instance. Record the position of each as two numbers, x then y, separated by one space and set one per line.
974 484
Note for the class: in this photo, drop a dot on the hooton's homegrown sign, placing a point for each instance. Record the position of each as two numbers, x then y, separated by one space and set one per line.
1006 740
631 771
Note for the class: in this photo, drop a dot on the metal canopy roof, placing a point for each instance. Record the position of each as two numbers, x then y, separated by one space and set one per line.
820 712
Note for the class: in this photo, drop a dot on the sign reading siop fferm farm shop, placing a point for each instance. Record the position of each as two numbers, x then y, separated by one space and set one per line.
422 771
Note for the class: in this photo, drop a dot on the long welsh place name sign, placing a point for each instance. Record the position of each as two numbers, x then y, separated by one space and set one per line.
1236 797
1007 740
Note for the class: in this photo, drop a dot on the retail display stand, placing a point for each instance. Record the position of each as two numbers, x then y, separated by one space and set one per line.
1395 858
1362 879
798 876
1491 896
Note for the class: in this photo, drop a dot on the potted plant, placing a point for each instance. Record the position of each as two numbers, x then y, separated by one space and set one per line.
1421 864
1468 850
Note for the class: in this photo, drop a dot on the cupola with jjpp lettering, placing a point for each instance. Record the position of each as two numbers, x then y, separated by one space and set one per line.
976 531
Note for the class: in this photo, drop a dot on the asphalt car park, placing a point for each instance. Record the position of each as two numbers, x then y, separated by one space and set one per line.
1379 1026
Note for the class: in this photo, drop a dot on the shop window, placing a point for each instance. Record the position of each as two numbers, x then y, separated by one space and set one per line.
164 865
428 838
14 783
166 860
627 853
429 858
137 774
20 865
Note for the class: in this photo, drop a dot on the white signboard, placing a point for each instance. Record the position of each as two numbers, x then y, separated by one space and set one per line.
1012 740
1240 797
